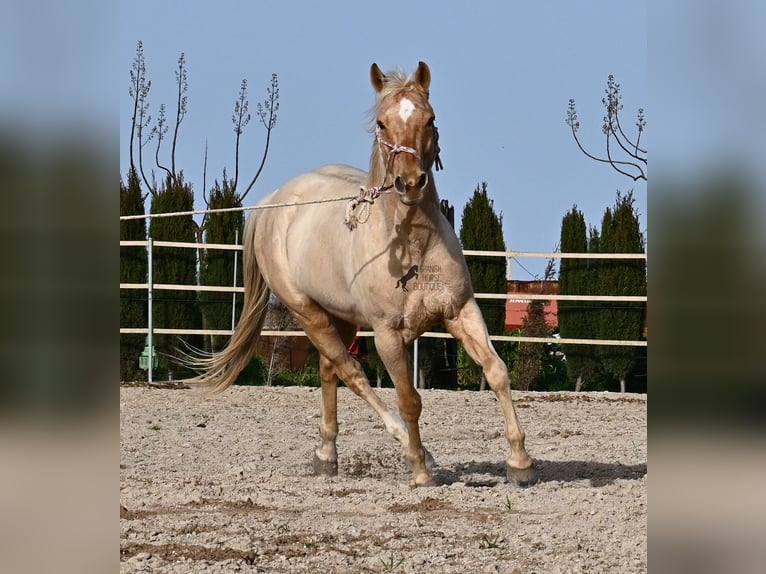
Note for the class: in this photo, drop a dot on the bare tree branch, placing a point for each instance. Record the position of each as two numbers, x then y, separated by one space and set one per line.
137 88
631 153
614 106
204 179
143 123
575 126
181 102
614 119
240 119
160 130
615 163
139 91
641 123
267 112
612 128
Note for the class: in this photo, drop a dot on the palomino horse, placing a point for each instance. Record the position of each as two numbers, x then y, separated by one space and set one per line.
369 272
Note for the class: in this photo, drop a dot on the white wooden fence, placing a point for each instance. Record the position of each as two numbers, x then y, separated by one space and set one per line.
150 287
467 252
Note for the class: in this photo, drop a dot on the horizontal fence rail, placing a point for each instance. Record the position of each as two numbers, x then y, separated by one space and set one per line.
525 297
507 296
233 209
225 246
149 286
554 255
435 335
171 287
468 252
521 297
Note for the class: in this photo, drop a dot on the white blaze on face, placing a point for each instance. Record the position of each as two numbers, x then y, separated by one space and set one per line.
406 107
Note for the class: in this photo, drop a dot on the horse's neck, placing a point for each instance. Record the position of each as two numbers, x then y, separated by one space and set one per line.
418 223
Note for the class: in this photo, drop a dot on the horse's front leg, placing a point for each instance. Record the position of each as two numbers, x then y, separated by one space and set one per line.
470 329
394 356
326 455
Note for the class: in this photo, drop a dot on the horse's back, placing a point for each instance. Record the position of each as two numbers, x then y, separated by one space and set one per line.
301 246
306 196
325 182
347 173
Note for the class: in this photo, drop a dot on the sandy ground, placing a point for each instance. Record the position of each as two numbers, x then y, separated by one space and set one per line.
224 484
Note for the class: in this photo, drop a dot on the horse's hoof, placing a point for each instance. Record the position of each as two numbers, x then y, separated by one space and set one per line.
428 460
324 467
521 477
427 481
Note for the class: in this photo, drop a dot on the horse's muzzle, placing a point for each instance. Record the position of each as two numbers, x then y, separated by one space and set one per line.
411 191
407 200
402 185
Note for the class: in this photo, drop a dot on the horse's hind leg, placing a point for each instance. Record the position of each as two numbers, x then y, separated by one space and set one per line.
325 333
469 328
326 455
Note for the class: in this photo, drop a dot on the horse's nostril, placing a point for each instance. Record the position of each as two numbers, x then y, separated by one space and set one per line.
399 184
423 181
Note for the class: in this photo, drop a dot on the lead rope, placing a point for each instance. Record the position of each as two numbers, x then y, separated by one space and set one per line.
367 196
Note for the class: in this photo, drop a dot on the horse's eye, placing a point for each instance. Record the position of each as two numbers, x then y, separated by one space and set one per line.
431 121
381 125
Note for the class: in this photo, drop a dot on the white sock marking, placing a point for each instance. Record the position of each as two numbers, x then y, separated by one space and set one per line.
395 425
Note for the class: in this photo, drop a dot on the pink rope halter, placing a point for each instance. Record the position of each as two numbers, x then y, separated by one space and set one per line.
369 195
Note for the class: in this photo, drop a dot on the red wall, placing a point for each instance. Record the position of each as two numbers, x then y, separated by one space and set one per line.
516 307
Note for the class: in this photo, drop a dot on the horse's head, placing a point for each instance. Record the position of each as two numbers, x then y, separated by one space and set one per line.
404 128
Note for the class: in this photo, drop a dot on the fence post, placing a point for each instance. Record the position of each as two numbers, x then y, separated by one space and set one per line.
149 305
415 380
234 295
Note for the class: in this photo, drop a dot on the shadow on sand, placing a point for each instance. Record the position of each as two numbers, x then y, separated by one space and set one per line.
477 473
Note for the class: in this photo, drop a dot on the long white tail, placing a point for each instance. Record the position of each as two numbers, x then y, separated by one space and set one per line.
220 370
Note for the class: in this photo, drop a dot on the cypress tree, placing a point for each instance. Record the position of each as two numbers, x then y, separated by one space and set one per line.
576 321
595 309
217 266
482 229
133 269
620 233
448 366
174 309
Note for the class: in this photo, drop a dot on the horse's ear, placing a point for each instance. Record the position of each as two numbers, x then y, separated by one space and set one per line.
376 77
423 76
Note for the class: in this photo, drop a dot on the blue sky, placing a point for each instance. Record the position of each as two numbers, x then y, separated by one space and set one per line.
502 76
